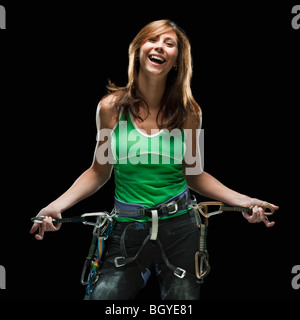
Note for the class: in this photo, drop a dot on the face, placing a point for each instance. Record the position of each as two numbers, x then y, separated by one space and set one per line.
159 53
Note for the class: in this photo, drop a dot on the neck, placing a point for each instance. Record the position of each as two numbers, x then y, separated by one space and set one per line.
152 90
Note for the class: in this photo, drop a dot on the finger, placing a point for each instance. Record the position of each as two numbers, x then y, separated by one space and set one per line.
262 217
269 224
34 228
246 215
255 215
42 229
251 218
49 224
274 206
261 214
40 235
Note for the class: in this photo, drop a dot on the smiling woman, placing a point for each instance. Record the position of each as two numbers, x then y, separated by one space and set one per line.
160 52
155 226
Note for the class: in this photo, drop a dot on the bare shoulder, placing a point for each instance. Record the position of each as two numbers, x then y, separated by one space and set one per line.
107 114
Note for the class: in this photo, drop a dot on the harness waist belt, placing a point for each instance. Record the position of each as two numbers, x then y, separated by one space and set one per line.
173 205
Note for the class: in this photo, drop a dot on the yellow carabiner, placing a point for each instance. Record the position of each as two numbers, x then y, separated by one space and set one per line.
203 208
202 266
267 206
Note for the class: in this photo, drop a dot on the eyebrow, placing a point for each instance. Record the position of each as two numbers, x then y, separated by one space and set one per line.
166 39
170 38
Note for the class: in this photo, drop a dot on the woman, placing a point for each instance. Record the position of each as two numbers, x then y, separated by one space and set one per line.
156 100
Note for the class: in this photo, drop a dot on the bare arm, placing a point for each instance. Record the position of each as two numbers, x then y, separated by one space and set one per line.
89 182
208 186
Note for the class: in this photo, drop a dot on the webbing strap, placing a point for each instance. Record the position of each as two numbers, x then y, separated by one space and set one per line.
124 259
154 226
92 247
178 272
202 241
236 209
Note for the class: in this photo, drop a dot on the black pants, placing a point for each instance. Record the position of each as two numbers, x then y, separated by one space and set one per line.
179 237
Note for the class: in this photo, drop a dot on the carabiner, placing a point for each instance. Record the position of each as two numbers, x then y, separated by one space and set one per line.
87 264
203 208
101 219
39 219
265 206
202 266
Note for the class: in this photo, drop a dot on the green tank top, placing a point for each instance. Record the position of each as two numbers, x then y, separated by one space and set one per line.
147 168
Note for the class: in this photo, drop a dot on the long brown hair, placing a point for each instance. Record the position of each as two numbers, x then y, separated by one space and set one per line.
177 100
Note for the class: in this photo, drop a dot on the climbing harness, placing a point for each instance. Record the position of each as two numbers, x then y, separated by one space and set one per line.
103 228
176 204
207 209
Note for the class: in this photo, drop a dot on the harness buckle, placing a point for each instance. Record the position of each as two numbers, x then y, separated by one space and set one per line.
119 264
179 272
170 204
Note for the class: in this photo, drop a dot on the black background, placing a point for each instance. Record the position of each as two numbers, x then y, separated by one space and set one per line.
55 63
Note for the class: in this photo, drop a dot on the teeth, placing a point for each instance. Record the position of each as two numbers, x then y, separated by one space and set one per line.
157 58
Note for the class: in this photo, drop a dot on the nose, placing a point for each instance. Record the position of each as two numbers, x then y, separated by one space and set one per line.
159 47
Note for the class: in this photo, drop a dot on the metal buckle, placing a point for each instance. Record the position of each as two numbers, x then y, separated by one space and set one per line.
117 263
171 204
179 272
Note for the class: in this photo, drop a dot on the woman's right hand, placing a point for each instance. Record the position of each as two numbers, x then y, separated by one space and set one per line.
47 225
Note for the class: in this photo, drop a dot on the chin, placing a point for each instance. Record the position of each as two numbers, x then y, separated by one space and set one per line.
157 71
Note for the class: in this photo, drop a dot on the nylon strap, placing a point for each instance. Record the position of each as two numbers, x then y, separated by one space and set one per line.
154 226
236 209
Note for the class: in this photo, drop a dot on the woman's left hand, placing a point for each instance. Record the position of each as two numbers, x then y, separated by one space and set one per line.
258 212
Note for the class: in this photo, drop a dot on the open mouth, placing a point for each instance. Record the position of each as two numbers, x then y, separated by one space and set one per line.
157 59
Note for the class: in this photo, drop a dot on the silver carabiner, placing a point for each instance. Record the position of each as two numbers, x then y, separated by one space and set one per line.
102 217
